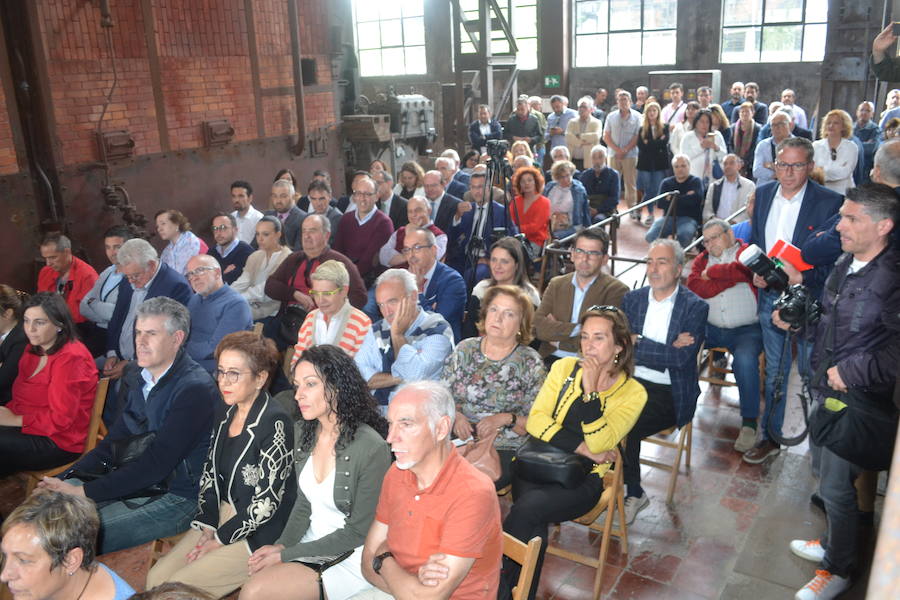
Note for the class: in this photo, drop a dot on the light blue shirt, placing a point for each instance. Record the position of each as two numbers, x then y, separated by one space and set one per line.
149 382
226 250
577 301
126 337
559 120
623 130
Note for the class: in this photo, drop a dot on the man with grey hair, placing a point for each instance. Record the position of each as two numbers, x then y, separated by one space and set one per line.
620 133
718 277
144 276
449 169
669 325
391 204
441 287
557 121
216 310
641 93
443 205
284 206
458 174
764 157
408 343
537 109
868 133
523 125
171 397
730 192
410 551
583 133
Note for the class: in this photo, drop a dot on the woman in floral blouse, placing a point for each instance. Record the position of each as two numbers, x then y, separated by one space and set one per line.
495 378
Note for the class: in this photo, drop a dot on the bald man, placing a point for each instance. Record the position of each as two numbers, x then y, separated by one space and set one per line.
216 310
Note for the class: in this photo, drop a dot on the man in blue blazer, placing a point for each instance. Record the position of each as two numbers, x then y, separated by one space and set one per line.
484 129
470 212
144 277
668 324
791 208
441 289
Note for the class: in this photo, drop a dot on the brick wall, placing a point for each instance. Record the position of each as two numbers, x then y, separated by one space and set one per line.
205 70
8 164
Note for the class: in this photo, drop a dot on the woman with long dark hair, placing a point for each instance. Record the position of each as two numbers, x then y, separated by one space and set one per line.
45 424
340 460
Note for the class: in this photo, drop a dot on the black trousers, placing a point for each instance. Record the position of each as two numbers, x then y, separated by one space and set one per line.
23 452
535 507
658 414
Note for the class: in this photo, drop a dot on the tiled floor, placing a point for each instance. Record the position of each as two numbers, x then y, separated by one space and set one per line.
725 536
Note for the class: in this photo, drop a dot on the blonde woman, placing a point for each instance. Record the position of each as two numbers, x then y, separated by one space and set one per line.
410 180
653 157
335 321
835 153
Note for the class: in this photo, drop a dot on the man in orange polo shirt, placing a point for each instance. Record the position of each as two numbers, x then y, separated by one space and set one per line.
437 530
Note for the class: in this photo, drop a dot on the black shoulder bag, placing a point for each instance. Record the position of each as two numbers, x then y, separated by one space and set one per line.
124 452
540 462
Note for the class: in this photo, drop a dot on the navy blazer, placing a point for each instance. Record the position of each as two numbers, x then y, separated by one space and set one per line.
446 294
398 214
819 205
167 283
446 212
479 141
290 227
459 234
688 314
457 188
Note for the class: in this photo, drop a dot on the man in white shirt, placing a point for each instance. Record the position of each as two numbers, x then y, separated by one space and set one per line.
583 133
669 325
764 156
787 99
718 277
246 216
99 303
704 96
673 113
730 193
621 136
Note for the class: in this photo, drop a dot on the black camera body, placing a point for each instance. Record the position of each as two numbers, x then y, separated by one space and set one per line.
796 306
497 151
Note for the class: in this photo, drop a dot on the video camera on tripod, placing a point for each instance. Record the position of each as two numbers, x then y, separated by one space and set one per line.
796 305
497 151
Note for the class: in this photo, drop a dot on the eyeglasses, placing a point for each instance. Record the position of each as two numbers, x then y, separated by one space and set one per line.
314 293
221 227
417 248
229 376
364 194
135 277
790 166
604 308
833 153
588 253
198 272
388 303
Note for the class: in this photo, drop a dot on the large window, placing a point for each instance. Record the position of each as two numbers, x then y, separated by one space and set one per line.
522 17
773 30
625 32
390 37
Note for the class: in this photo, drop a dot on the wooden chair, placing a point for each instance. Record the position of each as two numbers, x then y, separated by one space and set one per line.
714 374
96 431
612 500
286 363
258 328
160 547
682 447
526 555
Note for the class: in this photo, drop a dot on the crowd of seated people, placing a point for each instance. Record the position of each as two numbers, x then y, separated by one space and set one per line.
417 324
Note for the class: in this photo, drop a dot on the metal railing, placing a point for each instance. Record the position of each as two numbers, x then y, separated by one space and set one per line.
729 218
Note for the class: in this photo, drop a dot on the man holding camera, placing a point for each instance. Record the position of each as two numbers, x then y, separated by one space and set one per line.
788 209
857 344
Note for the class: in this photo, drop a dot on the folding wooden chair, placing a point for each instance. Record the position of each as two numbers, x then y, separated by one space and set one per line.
526 555
96 431
682 447
611 500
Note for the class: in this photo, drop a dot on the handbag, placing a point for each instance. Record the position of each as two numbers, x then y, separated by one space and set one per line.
540 462
289 322
123 452
483 456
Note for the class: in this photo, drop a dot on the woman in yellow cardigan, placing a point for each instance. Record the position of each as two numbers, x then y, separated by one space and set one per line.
587 405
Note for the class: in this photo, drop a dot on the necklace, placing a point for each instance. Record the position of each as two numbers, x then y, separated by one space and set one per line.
90 574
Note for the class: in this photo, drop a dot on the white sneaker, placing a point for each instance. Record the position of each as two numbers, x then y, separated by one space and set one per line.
824 586
634 505
746 439
810 550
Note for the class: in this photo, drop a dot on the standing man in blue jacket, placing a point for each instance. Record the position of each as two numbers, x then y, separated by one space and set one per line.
484 129
790 209
171 396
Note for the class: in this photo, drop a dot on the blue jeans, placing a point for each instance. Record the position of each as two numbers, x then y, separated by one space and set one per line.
774 346
146 519
745 343
685 229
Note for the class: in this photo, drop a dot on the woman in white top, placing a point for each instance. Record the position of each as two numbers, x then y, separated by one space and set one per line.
340 458
262 263
173 227
703 146
835 153
410 181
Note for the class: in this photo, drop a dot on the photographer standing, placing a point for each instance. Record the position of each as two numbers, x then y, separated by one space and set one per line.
788 209
857 344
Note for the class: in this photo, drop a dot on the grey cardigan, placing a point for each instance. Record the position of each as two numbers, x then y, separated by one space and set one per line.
359 471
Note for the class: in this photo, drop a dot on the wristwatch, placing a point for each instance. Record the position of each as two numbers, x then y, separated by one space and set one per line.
376 562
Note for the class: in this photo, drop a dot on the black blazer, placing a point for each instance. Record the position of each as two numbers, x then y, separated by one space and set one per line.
10 352
261 485
446 212
398 212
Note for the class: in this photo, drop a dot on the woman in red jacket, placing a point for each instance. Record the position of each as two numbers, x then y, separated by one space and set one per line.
46 422
530 210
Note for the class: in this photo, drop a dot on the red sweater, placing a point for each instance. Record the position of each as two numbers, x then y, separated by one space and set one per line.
721 276
57 402
535 223
81 279
361 243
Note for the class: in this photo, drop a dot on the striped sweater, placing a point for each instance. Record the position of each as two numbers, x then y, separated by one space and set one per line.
353 325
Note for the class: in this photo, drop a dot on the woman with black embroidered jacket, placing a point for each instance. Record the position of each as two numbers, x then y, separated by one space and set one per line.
247 488
586 406
340 461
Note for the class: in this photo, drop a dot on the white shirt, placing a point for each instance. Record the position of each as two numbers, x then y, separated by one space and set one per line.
656 328
838 170
246 225
365 219
728 199
326 333
783 217
856 265
435 207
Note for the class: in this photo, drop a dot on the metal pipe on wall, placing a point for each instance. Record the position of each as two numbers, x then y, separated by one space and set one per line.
297 69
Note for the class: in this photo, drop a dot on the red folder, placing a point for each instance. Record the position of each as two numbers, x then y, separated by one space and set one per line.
789 253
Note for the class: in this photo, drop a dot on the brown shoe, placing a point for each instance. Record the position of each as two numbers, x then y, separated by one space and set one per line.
761 451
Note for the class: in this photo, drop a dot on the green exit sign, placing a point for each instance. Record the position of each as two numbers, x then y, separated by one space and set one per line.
551 81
